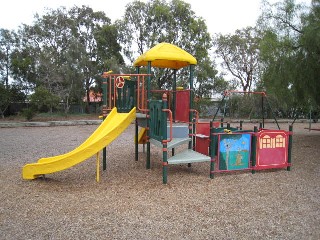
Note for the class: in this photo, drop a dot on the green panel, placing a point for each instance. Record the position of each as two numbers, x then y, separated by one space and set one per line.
158 121
125 97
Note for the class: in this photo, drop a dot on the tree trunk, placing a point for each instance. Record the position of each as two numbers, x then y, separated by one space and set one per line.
87 108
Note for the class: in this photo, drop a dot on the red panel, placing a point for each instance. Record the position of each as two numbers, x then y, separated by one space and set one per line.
202 141
204 127
272 149
202 145
182 105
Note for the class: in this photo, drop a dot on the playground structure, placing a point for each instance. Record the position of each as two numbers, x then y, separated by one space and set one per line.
170 121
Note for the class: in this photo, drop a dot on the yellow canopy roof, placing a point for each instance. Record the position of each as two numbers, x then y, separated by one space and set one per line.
166 55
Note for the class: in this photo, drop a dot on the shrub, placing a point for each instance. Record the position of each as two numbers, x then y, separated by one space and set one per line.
29 113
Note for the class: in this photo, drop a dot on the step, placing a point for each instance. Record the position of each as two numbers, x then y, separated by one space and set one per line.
142 119
178 130
175 142
188 156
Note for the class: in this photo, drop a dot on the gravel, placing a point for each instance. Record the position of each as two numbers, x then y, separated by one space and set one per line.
130 202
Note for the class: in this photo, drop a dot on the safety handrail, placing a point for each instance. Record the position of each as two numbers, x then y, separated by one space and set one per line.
141 103
111 98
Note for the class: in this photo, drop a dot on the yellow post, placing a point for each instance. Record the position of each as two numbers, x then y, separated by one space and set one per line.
98 167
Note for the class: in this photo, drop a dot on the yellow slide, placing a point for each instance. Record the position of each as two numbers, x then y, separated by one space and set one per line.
142 136
108 131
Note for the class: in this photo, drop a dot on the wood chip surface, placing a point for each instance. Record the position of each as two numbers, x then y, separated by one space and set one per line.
130 202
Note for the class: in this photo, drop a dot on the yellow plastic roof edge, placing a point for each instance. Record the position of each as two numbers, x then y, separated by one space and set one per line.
166 55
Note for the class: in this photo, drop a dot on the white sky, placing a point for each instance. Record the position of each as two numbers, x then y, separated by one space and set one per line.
222 16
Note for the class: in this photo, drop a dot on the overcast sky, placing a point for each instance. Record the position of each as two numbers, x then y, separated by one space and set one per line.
222 16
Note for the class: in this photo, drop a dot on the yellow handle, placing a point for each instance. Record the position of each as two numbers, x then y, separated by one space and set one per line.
227 131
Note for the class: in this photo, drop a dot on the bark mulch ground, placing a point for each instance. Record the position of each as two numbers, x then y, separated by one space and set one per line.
131 202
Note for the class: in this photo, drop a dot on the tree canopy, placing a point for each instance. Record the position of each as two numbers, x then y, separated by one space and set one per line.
146 24
65 51
290 53
240 54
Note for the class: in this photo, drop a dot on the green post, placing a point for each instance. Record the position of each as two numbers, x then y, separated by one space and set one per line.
174 97
104 115
262 110
254 149
136 146
190 102
165 164
148 164
194 131
163 123
310 120
212 149
290 147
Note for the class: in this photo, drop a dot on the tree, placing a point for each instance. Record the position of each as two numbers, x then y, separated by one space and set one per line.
23 61
308 57
85 22
206 87
66 51
7 43
8 95
43 100
290 54
240 54
146 24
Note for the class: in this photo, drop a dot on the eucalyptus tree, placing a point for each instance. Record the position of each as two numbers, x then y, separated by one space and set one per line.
85 24
65 52
289 46
240 55
24 60
145 24
308 57
9 94
7 44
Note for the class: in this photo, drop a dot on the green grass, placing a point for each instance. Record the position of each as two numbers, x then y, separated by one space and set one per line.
54 117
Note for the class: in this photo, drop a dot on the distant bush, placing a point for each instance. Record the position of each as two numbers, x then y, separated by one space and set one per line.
43 100
29 113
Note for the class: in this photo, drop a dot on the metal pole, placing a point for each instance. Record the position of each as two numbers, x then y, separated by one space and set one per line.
136 146
174 99
190 103
212 149
148 165
290 147
310 120
164 143
104 115
219 107
262 110
273 114
254 149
